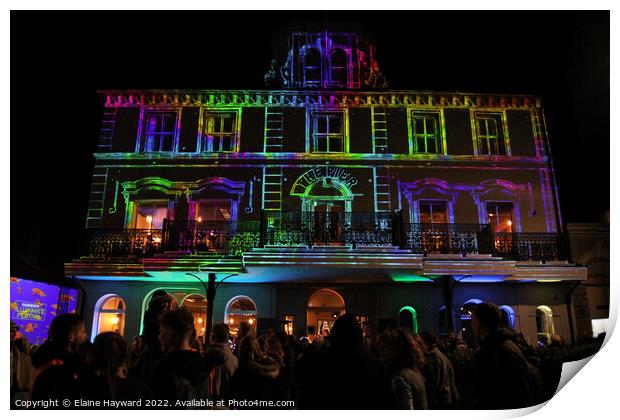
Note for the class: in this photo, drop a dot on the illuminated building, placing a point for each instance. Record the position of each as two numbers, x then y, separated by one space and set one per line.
328 192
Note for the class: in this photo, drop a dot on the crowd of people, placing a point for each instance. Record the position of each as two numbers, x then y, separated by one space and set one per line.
169 366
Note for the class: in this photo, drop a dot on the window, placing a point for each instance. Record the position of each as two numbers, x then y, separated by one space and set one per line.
338 67
328 132
501 217
507 317
312 67
158 132
197 305
240 309
109 315
408 319
213 210
433 212
544 324
289 324
219 132
150 214
426 133
489 133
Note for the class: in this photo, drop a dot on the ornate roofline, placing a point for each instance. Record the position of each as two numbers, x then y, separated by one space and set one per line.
248 98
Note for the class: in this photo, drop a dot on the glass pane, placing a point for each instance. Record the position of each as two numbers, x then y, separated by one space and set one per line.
149 143
335 144
150 215
439 213
430 125
335 124
151 124
210 124
213 210
168 123
431 145
228 124
167 143
321 124
425 213
321 144
421 145
419 126
492 126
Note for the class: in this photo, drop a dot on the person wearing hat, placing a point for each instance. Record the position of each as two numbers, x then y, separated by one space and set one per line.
22 372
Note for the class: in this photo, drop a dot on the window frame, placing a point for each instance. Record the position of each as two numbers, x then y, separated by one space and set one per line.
515 227
141 128
236 130
441 132
502 118
311 136
432 202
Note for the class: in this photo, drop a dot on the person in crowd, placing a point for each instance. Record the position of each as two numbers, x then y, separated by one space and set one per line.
22 372
462 359
61 359
253 379
244 330
501 371
345 376
224 361
401 358
183 374
439 373
148 354
108 379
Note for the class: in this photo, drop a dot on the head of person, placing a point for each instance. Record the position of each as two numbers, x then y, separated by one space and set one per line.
160 301
175 330
68 331
485 319
244 329
311 330
220 333
396 350
347 333
429 339
110 354
249 350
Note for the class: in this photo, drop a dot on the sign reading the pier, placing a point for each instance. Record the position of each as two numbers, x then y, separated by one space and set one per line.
311 177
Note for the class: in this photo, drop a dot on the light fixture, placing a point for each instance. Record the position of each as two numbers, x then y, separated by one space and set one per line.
230 321
509 223
200 320
251 321
199 219
115 320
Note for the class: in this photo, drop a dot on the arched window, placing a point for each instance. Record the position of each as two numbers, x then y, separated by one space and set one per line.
324 307
197 305
507 317
544 323
408 318
240 309
109 315
312 67
466 311
338 68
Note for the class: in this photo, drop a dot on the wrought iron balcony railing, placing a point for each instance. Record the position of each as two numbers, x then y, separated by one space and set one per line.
232 237
328 228
435 238
531 246
122 242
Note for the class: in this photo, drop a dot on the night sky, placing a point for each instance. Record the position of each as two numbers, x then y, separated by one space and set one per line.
59 60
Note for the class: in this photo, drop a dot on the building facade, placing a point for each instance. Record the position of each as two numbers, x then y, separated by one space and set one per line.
326 193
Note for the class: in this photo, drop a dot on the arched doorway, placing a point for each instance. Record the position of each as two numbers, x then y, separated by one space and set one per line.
544 323
324 307
466 311
507 317
109 315
197 305
240 309
408 318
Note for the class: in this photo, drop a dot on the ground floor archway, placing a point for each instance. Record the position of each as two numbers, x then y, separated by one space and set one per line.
323 308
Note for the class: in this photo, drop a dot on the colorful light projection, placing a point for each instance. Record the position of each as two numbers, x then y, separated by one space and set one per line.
34 305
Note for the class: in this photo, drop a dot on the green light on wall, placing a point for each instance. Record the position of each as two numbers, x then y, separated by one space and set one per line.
410 278
414 318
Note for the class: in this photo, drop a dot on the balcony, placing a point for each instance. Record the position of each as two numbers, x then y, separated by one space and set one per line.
309 229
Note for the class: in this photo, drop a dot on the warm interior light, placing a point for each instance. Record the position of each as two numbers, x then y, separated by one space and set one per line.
149 219
251 321
509 223
199 219
200 320
490 214
230 321
115 320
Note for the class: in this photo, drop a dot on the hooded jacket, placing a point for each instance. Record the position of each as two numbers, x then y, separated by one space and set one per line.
253 380
225 364
181 376
501 373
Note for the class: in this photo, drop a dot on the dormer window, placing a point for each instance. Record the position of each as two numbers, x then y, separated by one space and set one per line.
312 67
338 68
